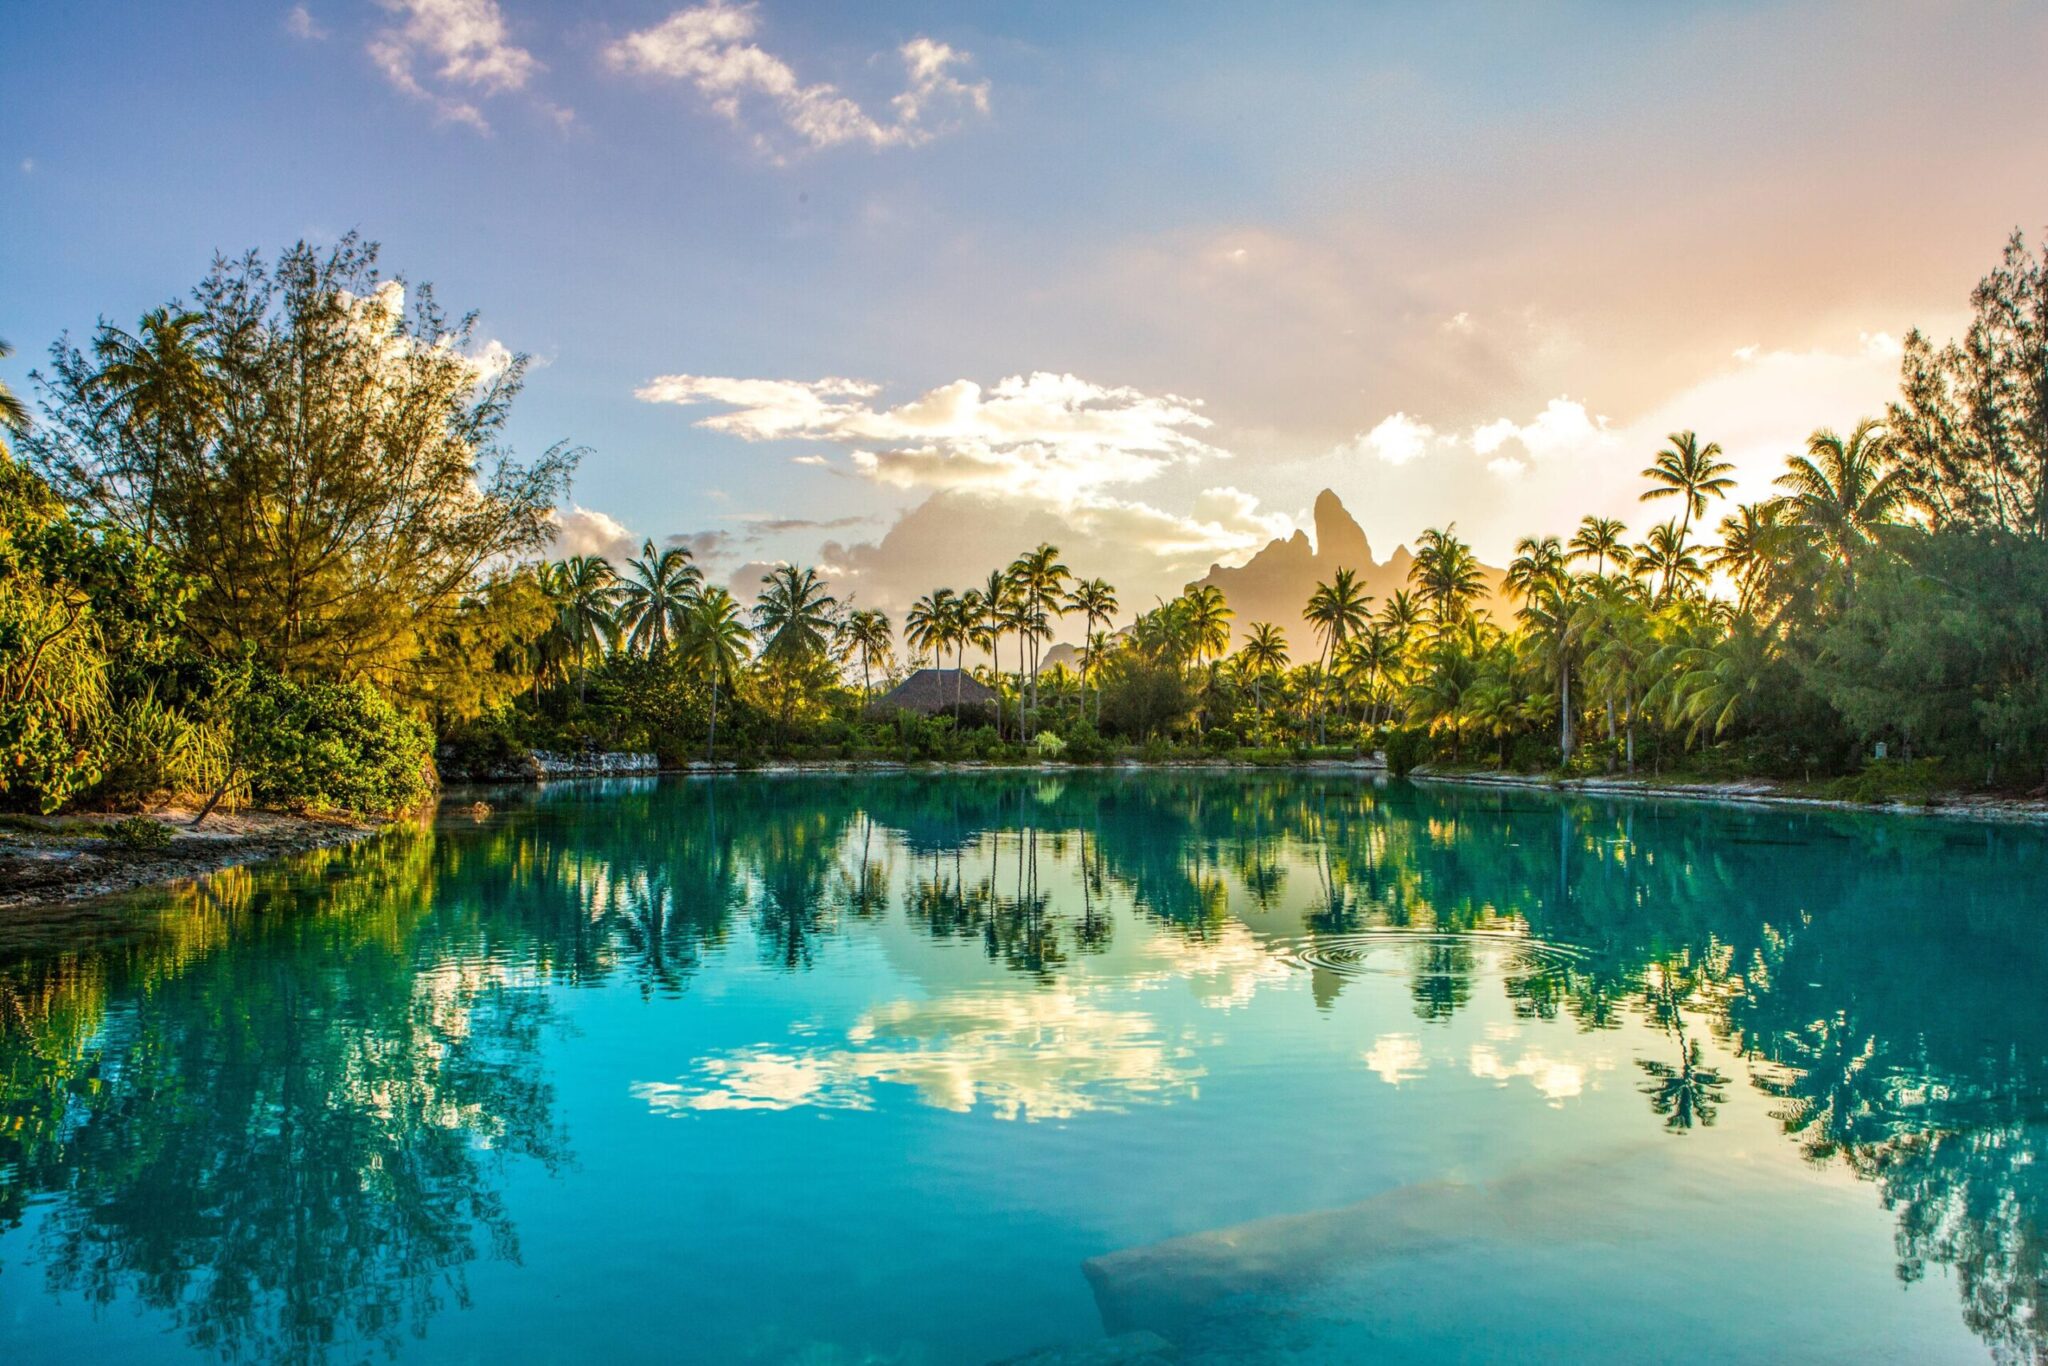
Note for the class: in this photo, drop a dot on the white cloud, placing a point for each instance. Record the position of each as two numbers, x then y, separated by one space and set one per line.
466 45
1055 438
586 531
709 47
491 360
1397 439
1562 428
301 24
1223 524
1032 457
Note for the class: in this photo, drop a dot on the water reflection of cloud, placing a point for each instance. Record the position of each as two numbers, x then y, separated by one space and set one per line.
1037 1055
1396 1057
1224 969
1557 1079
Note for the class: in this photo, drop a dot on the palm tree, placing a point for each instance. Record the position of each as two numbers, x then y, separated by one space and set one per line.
1685 469
868 637
713 645
1665 556
928 625
1711 684
1336 609
1599 539
1842 492
1538 563
1447 575
1208 621
1041 582
584 589
654 595
160 387
796 617
1264 652
797 621
1376 653
1096 601
1400 614
963 627
1748 551
13 412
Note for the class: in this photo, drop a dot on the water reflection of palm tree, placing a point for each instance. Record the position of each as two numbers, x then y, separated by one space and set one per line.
1686 1092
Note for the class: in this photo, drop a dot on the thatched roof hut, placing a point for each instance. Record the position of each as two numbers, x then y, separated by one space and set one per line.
929 691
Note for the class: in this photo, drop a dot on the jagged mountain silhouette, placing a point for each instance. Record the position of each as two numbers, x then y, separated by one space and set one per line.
1274 584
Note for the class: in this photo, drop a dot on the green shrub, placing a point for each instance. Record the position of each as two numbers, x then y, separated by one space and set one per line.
1407 746
1892 780
1085 744
327 746
1048 744
137 832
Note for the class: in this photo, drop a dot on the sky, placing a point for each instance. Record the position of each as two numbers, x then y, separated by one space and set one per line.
900 290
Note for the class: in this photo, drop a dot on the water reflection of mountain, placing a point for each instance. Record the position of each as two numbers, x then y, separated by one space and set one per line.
276 1107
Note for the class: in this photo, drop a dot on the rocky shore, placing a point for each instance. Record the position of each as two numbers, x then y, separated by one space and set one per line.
1751 791
53 860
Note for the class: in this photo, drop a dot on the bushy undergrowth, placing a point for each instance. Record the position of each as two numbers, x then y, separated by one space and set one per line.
137 832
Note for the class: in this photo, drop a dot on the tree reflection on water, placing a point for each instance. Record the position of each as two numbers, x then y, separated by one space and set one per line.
278 1105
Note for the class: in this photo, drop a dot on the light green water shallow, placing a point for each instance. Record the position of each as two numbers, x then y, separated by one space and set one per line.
1138 1068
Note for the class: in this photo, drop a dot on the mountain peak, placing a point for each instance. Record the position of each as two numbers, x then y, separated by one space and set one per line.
1340 540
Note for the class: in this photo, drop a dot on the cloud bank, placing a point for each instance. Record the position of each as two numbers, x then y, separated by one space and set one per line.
1032 457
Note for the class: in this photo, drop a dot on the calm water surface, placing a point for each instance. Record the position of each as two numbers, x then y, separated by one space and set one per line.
1134 1068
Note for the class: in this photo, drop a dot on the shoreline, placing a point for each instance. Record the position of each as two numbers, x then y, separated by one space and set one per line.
60 860
1748 792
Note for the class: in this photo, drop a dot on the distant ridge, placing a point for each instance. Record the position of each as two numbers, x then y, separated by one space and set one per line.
1274 584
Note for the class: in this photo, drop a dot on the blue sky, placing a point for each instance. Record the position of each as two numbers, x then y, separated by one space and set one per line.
1457 262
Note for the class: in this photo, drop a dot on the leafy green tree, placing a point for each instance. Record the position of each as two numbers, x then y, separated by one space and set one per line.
86 615
1970 427
324 462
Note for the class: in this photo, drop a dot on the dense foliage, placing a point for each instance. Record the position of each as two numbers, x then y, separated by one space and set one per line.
260 543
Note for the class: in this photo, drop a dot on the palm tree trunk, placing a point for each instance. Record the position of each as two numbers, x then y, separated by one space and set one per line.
712 740
1564 711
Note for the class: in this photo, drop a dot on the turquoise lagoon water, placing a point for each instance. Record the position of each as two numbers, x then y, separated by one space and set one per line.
1139 1068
